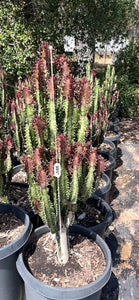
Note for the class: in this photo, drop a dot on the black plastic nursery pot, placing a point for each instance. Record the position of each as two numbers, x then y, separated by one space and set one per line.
16 170
116 121
111 166
104 191
37 290
105 210
115 139
111 151
34 218
11 284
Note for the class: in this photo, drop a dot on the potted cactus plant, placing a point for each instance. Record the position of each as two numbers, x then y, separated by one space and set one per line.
60 163
9 277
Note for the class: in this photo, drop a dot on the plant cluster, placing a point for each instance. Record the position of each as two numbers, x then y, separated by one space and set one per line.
127 62
55 121
128 98
105 98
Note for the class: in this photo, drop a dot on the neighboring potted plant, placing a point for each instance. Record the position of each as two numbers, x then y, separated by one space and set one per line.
96 215
11 284
10 281
104 102
60 164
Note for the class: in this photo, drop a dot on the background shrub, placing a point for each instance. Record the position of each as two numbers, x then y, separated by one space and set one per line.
127 70
128 62
128 97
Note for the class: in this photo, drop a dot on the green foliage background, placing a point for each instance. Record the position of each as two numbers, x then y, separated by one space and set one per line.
127 70
24 24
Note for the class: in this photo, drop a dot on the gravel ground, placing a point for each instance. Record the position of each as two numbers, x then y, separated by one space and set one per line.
122 237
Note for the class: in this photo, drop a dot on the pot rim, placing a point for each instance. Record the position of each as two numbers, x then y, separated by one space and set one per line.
105 206
86 290
22 238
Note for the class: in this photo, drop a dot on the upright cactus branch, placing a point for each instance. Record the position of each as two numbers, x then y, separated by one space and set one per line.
6 142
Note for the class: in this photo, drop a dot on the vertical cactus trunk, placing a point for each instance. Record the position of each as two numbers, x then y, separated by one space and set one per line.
62 244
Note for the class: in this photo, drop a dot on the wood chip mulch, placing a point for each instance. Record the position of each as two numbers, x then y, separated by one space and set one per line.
86 262
10 228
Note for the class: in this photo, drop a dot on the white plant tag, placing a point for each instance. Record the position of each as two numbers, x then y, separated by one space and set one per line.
57 170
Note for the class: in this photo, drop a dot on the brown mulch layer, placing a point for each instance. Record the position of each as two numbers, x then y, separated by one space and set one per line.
104 147
10 228
111 134
21 176
89 217
101 184
19 196
86 262
107 163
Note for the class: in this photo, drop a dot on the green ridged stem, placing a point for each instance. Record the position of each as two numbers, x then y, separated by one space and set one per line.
65 106
28 140
54 196
74 186
70 123
96 96
88 185
8 162
48 209
52 129
83 124
63 184
88 70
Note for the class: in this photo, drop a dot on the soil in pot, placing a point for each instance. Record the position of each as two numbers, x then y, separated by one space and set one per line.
86 262
102 190
19 196
21 177
10 228
100 185
88 216
36 289
111 134
14 232
109 164
104 147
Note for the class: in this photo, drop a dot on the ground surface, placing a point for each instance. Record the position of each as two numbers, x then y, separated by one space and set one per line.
123 235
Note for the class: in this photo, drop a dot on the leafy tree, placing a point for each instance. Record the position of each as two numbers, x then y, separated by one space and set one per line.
127 70
16 46
25 24
128 62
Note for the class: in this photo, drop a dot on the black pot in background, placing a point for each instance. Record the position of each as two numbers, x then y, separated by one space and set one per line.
104 191
34 218
113 126
15 170
102 206
112 163
112 151
11 284
115 139
37 290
